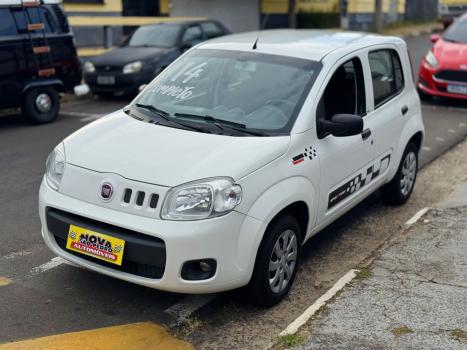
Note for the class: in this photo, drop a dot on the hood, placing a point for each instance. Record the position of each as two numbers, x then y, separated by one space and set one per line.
167 156
451 55
125 54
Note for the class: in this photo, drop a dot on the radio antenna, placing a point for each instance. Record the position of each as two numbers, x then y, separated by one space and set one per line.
255 45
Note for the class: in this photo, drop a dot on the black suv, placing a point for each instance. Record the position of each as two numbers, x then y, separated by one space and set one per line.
38 59
144 54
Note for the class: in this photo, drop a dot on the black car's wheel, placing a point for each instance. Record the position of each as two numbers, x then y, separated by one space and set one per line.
400 188
276 262
424 96
41 105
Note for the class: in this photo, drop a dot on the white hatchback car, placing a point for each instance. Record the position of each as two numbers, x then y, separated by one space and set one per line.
241 150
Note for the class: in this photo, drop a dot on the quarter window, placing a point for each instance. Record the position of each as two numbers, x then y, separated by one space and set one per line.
387 75
193 35
211 30
8 26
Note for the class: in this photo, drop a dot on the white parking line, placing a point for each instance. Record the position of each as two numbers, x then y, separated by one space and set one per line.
417 216
57 261
84 117
452 131
462 125
182 310
428 149
440 139
303 318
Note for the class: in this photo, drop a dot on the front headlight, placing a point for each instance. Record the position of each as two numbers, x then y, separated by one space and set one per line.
89 67
431 59
133 67
55 166
202 199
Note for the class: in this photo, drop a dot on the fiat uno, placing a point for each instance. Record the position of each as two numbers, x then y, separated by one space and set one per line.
240 151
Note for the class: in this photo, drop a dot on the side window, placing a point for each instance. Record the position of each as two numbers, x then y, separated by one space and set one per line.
344 94
8 26
193 35
386 74
36 15
211 30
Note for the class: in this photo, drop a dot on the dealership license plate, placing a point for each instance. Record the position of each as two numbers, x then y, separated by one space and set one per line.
458 89
95 244
105 80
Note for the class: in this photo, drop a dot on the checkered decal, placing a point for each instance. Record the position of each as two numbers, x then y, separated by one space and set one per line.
309 153
358 182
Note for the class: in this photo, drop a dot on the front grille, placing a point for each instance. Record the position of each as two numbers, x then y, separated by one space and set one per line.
108 69
143 255
452 75
140 199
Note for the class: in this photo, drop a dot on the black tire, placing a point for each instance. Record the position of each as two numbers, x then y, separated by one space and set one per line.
424 96
31 111
392 193
258 291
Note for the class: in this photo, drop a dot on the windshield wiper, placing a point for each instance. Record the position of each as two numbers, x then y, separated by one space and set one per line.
166 116
221 123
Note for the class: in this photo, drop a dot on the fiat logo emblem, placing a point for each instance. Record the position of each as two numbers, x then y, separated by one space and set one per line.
106 191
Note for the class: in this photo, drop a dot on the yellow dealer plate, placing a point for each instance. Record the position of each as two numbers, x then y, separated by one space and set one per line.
95 244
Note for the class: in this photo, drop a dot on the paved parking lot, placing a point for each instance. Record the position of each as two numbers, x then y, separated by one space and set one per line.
41 295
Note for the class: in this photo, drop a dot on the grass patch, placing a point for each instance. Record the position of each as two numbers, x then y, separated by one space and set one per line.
364 273
459 334
289 340
399 331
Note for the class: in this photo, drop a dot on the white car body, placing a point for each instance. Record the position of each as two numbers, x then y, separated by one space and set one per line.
128 153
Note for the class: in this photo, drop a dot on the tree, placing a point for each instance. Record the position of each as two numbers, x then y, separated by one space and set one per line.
378 18
292 14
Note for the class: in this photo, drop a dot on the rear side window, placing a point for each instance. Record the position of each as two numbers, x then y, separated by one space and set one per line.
386 74
7 26
36 15
211 30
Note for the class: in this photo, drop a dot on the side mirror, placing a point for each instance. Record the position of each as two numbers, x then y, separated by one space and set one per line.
342 125
434 38
142 87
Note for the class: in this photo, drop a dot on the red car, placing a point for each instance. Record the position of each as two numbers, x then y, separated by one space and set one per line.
443 71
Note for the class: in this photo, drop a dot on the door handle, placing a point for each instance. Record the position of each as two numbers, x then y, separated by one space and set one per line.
404 110
366 134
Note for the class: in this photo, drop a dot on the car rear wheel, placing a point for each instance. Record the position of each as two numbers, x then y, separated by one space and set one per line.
399 190
276 263
41 105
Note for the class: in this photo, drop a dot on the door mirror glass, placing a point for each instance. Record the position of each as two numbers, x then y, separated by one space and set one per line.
341 125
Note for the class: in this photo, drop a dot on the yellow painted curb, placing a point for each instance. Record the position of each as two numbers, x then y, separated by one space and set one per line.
4 281
136 336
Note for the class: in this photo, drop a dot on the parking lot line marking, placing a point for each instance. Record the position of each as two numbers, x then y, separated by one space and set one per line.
417 216
428 149
321 301
182 310
57 261
84 117
452 131
4 281
136 336
439 139
462 125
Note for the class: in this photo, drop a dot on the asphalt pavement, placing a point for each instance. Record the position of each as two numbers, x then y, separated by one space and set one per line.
41 295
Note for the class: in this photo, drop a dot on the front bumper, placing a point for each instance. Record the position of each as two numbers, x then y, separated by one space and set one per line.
226 239
125 84
428 84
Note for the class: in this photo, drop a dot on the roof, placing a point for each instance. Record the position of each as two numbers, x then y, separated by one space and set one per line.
20 2
308 44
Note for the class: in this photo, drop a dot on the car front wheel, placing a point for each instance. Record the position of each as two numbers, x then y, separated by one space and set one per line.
276 262
398 191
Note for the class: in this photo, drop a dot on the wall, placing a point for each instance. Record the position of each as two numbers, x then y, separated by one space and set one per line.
238 15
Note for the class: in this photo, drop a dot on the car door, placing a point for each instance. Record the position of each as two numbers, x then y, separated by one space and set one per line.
388 105
344 161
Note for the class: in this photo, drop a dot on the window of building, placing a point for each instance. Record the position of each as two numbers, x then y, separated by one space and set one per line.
386 74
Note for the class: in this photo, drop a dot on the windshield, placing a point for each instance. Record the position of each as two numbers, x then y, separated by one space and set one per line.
233 90
457 32
158 35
